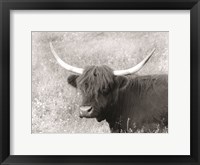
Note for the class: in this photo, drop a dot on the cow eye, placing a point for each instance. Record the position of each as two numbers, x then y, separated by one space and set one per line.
105 91
86 85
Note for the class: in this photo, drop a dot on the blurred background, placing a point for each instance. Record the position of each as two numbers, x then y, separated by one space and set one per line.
55 104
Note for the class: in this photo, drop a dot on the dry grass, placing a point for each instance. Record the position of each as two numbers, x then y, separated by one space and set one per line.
55 104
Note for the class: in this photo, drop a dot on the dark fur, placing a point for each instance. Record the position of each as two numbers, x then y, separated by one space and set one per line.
126 103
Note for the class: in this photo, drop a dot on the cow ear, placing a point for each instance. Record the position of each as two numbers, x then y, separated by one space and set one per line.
121 81
72 80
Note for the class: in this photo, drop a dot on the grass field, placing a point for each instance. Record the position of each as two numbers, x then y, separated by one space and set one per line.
55 104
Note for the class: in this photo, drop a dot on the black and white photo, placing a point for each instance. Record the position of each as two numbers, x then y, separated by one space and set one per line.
100 82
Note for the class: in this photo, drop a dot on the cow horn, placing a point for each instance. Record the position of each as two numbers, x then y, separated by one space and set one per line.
135 68
63 64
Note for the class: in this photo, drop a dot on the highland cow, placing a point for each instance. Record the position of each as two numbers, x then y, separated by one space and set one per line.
128 103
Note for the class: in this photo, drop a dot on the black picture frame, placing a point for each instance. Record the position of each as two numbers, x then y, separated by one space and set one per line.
7 5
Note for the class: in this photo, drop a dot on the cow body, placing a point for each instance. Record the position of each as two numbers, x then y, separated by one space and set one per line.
127 103
142 104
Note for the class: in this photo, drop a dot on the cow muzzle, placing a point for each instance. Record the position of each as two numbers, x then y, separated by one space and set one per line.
85 111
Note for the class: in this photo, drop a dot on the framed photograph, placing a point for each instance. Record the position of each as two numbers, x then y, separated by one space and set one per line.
101 82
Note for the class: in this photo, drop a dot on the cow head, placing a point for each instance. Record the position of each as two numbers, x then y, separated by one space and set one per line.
99 85
99 88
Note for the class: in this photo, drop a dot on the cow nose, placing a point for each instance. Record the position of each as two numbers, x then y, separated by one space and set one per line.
85 111
86 108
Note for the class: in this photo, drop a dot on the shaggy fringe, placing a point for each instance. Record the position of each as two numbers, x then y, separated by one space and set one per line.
96 79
